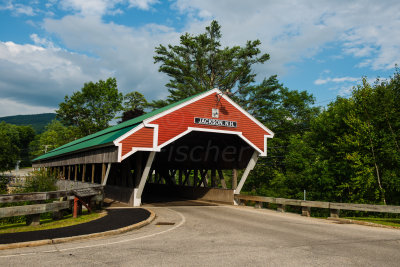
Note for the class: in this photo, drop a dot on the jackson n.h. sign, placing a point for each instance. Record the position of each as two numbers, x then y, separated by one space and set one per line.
215 122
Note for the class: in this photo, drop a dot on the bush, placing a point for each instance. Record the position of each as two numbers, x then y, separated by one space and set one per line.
41 181
3 184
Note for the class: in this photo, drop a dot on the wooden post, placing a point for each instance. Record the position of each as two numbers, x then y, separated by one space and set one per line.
213 174
103 172
180 177
195 178
306 211
93 169
76 172
33 219
250 166
139 190
222 179
83 172
69 172
258 205
334 213
281 208
138 168
107 173
63 174
234 178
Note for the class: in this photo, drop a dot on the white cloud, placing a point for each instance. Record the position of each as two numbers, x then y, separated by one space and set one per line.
39 76
290 31
89 7
336 80
18 9
9 107
125 52
102 7
142 4
294 30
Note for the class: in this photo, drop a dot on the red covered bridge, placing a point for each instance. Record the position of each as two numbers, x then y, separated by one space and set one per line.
185 149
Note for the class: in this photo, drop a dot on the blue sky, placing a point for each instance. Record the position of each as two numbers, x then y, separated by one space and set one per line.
49 49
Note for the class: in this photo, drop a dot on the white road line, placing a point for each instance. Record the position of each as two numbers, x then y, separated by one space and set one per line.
183 220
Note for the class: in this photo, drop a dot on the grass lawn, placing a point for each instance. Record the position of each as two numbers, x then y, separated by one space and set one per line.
51 224
384 221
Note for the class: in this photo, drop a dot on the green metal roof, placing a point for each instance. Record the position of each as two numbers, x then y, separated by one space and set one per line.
107 135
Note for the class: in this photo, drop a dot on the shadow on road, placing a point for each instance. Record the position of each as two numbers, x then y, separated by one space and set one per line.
167 201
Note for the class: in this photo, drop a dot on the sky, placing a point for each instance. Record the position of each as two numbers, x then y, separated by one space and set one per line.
49 49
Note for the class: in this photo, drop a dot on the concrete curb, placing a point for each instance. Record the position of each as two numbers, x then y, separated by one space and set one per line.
80 237
349 221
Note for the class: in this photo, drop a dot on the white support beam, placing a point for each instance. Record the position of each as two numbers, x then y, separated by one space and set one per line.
250 166
106 176
137 201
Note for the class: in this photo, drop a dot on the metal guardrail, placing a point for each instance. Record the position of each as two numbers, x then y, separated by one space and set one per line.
65 200
307 205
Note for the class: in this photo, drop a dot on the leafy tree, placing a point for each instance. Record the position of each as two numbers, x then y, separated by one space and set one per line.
350 152
199 63
26 135
288 113
54 136
92 108
134 100
14 144
134 105
41 181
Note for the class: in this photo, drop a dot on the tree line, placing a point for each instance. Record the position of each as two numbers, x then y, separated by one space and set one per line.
346 152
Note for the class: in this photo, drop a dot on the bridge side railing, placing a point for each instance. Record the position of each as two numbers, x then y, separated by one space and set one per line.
63 200
306 205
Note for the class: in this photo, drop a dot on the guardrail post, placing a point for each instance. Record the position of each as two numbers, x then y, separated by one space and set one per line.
281 208
258 205
334 213
306 211
33 219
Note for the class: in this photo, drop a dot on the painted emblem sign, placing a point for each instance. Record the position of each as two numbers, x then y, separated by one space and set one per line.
215 122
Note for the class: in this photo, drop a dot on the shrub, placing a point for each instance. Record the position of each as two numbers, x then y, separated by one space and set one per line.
41 181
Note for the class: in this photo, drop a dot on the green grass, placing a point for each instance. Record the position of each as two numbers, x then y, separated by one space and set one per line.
395 222
50 223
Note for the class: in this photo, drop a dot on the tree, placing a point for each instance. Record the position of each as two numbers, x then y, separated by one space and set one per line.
288 113
350 152
92 108
26 134
199 64
14 145
134 100
134 105
54 136
9 150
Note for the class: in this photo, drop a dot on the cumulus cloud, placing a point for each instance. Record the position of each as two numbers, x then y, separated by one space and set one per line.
18 9
294 30
9 107
290 31
336 80
142 4
39 76
125 52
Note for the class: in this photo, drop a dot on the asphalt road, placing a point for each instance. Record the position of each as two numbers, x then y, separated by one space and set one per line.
224 236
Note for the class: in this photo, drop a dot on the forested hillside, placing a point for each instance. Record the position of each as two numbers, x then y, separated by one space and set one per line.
38 121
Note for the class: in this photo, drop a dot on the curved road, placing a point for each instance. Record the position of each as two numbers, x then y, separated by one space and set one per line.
223 236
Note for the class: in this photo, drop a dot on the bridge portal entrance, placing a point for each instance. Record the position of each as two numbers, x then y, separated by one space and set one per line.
191 149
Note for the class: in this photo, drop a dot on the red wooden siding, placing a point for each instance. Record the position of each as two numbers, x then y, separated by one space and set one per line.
178 121
141 138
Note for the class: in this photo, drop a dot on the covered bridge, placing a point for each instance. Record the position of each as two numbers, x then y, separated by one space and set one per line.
185 149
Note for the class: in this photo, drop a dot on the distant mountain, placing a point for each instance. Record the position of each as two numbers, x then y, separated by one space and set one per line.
38 121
